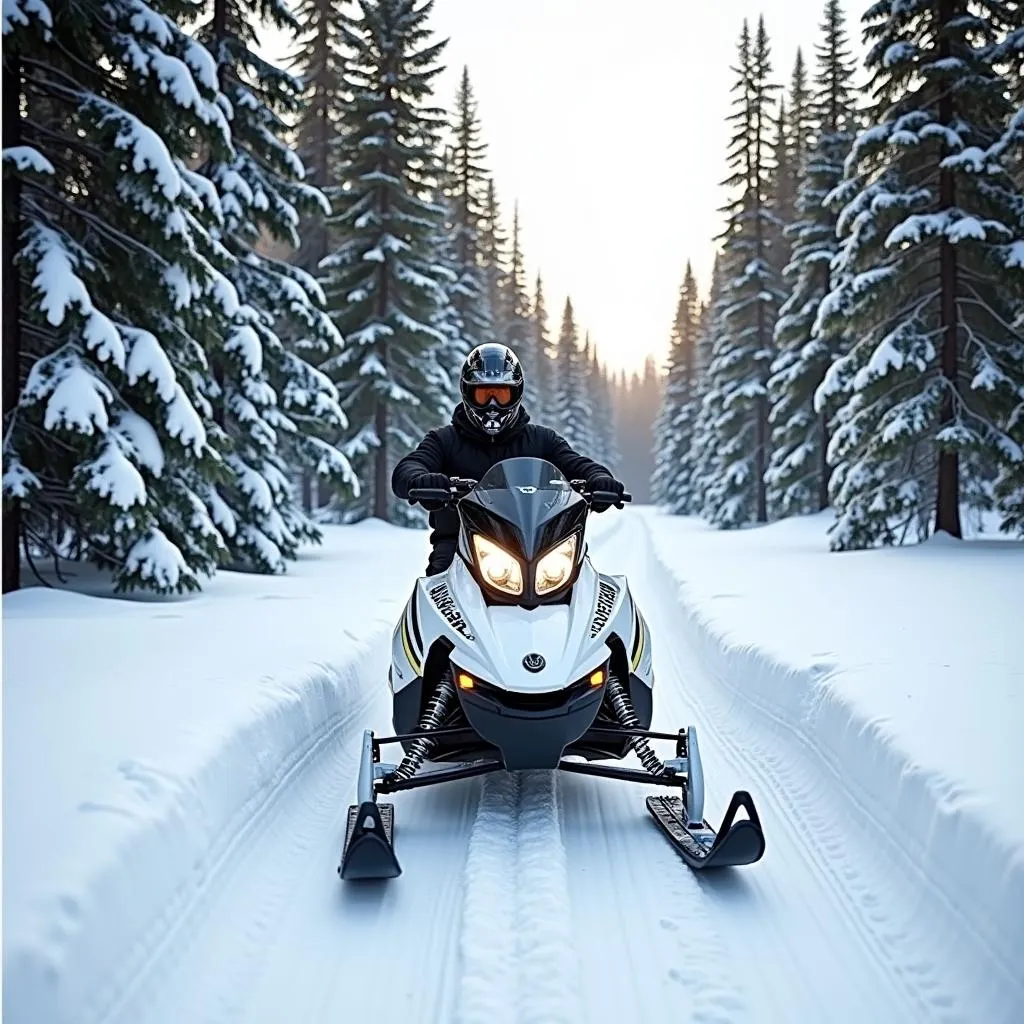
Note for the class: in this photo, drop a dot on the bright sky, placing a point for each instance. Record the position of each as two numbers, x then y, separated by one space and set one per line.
607 123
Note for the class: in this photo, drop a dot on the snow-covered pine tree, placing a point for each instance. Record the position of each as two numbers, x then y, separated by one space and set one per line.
272 405
318 64
571 413
467 193
672 484
793 135
798 473
930 277
383 283
494 264
705 458
751 295
544 368
519 332
600 438
117 292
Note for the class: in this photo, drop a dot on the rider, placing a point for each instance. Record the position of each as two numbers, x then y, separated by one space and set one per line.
490 425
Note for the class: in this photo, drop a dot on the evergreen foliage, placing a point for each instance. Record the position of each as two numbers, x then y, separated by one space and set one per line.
572 413
751 295
383 284
467 194
114 290
798 473
930 280
672 484
544 369
270 403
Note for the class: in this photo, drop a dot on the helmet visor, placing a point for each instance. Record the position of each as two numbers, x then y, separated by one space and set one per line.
481 394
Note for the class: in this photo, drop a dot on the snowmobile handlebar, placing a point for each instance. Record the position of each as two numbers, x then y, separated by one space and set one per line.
612 498
461 486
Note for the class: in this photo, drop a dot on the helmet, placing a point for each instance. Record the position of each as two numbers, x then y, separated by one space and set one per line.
492 387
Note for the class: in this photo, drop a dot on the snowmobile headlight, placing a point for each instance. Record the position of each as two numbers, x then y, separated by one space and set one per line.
555 568
498 568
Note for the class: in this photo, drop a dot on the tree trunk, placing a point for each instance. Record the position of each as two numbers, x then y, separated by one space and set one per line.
947 500
220 27
11 311
824 469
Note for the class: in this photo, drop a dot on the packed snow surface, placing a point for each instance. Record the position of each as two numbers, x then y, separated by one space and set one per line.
177 773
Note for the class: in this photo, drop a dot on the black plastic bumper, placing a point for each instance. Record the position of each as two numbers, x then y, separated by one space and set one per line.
530 738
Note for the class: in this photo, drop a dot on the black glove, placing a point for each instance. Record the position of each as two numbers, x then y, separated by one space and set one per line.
434 481
604 482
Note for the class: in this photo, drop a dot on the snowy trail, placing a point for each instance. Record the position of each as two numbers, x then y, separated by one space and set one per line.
533 898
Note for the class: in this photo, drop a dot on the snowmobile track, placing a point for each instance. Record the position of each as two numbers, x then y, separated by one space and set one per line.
800 791
537 897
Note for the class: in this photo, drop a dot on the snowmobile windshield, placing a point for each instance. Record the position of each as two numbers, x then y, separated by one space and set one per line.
528 495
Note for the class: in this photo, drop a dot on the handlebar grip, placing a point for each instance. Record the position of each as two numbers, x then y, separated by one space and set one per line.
429 494
610 497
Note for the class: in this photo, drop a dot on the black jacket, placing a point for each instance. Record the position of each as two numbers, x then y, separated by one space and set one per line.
460 449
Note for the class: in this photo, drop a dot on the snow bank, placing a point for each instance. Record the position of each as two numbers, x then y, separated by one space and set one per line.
141 737
900 675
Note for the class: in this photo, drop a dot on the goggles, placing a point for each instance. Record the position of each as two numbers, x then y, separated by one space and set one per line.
481 394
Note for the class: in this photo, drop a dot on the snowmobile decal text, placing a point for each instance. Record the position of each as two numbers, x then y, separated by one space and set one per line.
606 595
445 604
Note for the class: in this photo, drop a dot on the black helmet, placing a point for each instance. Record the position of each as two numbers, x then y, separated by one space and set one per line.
492 387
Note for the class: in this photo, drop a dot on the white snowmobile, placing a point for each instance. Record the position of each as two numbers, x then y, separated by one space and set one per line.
521 656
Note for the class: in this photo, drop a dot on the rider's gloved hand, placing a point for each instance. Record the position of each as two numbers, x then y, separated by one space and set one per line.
433 481
603 482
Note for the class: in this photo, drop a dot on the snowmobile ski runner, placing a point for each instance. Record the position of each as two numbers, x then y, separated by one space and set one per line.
522 656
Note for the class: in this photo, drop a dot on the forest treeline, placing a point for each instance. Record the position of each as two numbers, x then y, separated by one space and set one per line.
234 294
862 346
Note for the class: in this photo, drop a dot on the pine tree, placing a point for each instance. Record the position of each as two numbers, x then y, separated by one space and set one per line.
118 290
930 275
519 332
544 369
571 411
672 484
383 284
706 463
738 374
467 195
271 406
494 264
798 474
793 137
318 63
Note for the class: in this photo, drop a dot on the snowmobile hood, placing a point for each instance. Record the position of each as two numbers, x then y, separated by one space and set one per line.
525 505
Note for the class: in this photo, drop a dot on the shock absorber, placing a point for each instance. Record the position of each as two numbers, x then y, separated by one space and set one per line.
432 718
624 711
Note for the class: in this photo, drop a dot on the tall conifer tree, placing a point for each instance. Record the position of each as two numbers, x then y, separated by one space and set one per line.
118 291
672 484
468 185
930 278
571 407
751 294
383 283
799 473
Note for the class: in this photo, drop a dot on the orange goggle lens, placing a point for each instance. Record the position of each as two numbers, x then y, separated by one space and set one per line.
482 395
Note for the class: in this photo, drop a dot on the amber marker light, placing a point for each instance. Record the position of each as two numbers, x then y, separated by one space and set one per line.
597 678
465 681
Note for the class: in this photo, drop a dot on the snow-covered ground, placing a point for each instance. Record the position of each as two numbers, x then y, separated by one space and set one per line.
176 776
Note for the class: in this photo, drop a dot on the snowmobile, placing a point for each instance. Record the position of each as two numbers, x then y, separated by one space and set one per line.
522 656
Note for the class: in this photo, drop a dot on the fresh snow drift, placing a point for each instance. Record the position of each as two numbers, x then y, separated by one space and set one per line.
177 775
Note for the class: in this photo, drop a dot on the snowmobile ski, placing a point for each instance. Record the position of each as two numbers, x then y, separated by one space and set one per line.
737 842
369 852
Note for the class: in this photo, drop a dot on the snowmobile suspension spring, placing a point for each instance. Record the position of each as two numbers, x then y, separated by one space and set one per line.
432 718
623 708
